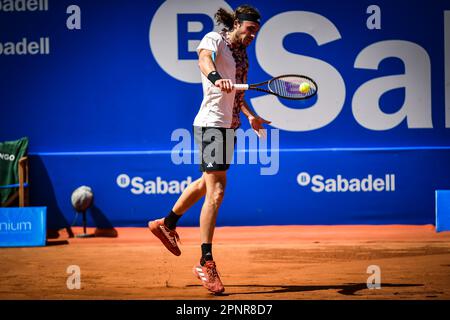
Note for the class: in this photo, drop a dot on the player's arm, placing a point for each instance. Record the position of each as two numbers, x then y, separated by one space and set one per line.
207 67
256 122
246 110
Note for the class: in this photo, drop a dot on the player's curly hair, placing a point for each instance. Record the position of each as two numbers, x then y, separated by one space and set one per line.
227 18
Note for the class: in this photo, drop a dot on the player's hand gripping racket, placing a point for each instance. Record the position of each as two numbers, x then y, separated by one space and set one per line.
289 86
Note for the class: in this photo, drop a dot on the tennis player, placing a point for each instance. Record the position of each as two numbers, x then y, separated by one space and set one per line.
223 61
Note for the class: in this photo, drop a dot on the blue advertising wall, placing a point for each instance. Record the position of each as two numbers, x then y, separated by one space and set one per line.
99 87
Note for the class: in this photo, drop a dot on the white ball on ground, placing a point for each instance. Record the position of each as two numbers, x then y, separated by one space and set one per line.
82 198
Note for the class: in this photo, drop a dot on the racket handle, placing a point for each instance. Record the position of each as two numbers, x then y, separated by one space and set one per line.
239 86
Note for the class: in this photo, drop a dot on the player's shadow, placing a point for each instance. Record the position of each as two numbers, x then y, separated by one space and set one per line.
43 194
348 289
56 242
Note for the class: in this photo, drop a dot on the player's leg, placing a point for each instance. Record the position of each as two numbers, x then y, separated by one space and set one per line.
194 192
206 271
215 189
164 228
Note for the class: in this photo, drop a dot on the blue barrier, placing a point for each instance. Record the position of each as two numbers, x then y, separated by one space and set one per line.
442 210
310 187
23 227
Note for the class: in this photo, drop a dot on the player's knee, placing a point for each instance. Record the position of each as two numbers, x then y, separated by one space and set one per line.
216 196
219 194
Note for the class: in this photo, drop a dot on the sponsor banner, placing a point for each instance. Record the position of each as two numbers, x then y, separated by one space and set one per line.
124 75
7 157
341 184
23 227
311 187
25 46
23 5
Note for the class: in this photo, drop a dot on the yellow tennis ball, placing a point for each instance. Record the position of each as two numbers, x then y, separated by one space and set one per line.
304 87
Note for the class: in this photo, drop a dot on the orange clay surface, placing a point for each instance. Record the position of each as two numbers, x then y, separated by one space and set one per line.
270 262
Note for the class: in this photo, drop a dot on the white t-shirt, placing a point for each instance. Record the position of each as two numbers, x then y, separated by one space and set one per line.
216 109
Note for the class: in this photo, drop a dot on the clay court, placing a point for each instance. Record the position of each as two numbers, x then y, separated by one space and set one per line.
255 263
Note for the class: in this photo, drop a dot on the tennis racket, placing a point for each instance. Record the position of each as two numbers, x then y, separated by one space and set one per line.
285 86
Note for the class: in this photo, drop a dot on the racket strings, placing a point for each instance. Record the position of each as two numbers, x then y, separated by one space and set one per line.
289 87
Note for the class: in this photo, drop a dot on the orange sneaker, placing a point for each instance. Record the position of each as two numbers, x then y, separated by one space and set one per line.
209 277
168 237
